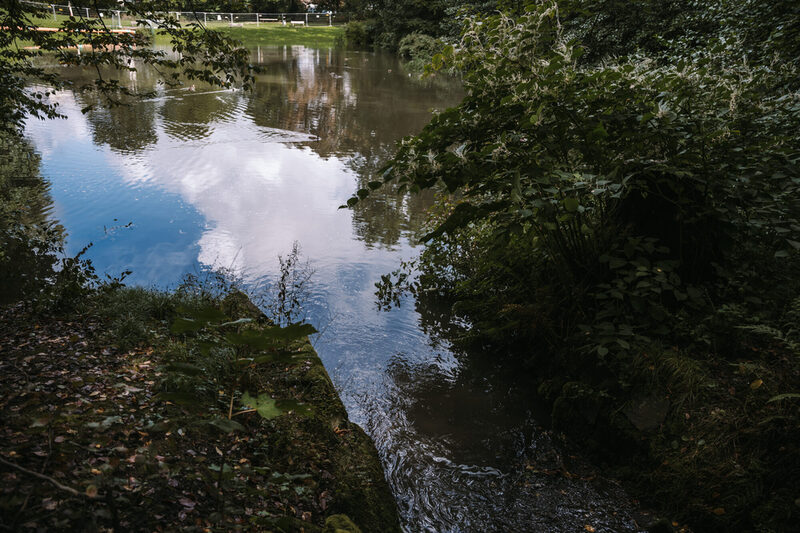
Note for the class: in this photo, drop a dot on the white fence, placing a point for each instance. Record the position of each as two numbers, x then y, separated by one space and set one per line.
120 18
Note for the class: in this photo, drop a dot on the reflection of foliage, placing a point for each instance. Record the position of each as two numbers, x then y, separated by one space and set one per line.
32 265
345 111
386 216
124 129
338 97
27 238
192 116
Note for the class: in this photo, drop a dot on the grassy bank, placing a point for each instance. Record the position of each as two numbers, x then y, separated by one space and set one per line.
107 411
265 34
277 35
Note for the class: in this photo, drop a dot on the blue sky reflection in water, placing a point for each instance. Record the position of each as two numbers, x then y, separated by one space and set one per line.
211 178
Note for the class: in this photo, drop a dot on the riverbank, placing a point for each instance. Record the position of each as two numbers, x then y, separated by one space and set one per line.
278 35
265 34
119 407
707 440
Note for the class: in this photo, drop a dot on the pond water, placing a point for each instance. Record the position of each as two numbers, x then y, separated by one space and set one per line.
194 178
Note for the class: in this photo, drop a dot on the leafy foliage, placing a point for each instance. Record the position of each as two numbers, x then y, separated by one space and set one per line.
94 445
628 181
620 210
418 50
26 84
385 22
230 353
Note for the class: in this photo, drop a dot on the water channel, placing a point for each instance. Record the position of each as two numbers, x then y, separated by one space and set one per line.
195 178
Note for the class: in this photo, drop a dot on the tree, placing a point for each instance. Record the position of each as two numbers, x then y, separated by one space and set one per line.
630 181
25 85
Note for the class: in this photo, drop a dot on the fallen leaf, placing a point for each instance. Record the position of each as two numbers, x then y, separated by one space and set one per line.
756 384
186 502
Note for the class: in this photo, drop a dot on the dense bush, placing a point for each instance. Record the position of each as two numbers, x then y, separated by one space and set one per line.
393 20
418 46
630 226
356 34
633 183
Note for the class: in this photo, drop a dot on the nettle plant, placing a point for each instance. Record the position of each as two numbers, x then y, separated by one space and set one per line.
217 375
226 365
632 182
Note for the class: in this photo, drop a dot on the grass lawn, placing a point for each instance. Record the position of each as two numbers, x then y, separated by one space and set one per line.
278 35
265 34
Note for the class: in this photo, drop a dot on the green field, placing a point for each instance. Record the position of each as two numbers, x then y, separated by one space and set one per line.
265 34
277 35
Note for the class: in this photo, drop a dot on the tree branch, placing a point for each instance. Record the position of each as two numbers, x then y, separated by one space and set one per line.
42 476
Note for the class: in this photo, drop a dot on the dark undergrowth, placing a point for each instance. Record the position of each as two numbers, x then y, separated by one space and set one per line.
621 218
107 413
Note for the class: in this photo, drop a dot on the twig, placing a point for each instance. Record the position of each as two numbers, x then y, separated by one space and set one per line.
42 476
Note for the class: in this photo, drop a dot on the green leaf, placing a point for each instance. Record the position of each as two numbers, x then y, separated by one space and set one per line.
615 262
207 346
196 319
226 425
264 405
264 339
571 204
787 396
185 325
292 331
205 314
280 357
237 322
598 133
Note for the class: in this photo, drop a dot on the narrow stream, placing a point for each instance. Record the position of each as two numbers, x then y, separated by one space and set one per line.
196 179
